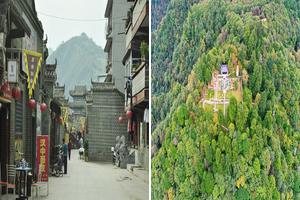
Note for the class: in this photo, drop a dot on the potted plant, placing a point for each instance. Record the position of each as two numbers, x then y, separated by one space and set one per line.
144 49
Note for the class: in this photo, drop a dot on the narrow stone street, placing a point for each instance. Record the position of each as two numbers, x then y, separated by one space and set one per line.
96 181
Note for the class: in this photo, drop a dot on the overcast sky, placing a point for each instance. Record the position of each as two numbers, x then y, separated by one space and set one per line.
59 30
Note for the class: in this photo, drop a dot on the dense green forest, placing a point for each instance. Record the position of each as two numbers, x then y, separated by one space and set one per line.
253 152
159 8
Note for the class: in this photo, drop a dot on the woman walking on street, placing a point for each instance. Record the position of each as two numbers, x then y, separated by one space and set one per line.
69 149
65 154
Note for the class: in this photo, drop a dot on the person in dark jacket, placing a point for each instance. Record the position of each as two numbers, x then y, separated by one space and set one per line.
65 155
69 149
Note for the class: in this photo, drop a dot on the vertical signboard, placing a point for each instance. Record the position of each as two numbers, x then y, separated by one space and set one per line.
12 71
42 157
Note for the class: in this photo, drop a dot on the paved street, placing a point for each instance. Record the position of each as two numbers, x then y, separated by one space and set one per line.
96 181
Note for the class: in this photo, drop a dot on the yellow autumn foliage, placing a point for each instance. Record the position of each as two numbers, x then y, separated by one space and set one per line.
241 181
170 194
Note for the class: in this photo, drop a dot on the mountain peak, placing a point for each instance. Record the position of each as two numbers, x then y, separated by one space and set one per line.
78 61
83 34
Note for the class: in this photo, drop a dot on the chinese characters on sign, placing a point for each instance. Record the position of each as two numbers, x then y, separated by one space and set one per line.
12 71
42 158
33 62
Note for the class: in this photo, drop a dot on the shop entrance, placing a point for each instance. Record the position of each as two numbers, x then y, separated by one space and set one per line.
4 138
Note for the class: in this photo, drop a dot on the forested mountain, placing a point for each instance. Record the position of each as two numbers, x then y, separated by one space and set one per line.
253 151
78 61
159 8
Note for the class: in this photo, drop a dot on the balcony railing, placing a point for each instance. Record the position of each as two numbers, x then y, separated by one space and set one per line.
140 83
139 10
135 18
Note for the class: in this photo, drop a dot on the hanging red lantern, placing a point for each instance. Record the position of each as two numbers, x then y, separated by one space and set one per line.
5 89
4 86
16 93
43 107
120 119
129 114
31 104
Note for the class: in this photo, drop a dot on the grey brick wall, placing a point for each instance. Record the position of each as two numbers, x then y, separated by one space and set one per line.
103 125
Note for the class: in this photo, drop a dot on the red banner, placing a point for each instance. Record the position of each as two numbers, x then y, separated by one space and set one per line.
42 144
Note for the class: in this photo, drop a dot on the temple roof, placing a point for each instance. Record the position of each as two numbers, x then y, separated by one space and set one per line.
89 97
224 69
79 90
59 91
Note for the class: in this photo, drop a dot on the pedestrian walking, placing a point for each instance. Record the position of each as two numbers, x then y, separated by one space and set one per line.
65 154
81 142
69 149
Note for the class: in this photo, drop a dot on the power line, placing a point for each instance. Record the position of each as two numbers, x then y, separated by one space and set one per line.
72 19
85 20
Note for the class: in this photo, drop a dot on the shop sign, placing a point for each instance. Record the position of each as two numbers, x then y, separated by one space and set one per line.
42 157
12 70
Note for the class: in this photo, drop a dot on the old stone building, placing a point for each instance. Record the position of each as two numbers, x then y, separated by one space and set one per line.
136 65
57 126
106 102
115 42
78 106
49 80
105 105
60 100
20 31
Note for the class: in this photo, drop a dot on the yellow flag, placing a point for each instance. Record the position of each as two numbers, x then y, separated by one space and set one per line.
33 62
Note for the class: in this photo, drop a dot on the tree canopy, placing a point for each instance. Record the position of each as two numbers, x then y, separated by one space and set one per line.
252 152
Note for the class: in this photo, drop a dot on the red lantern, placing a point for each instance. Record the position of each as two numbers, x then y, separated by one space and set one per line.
120 119
129 114
43 107
32 104
4 86
16 93
5 89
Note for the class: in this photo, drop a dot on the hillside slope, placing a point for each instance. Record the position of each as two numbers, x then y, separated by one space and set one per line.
159 8
253 151
79 59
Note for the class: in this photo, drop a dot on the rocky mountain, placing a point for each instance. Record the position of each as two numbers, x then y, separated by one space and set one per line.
78 61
